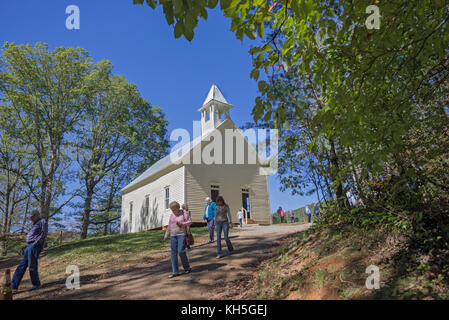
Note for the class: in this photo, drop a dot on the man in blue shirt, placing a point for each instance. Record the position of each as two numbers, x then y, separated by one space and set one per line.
36 241
208 217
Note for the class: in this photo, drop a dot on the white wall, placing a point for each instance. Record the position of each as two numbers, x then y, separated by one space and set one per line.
155 188
231 178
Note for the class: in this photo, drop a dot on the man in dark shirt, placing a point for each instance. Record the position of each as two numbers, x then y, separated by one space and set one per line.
35 240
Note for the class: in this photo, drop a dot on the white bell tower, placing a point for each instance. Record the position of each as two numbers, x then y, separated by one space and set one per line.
215 110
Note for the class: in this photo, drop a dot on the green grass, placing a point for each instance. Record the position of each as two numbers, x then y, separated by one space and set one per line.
321 277
117 243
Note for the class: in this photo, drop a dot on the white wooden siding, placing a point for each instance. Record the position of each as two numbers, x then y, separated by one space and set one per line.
231 179
155 188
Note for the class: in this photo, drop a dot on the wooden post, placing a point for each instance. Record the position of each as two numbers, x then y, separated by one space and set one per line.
6 290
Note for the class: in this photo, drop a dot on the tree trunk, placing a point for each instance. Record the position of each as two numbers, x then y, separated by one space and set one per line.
341 197
86 214
356 172
5 222
105 230
44 211
25 215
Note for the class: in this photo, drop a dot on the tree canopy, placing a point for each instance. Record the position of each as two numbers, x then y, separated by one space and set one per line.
64 116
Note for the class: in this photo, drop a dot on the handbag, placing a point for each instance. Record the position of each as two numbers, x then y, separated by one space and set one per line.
189 239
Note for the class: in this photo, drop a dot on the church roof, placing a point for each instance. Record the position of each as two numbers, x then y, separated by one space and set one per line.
215 94
167 160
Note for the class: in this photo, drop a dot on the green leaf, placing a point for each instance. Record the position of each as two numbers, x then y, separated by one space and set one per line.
151 3
188 34
261 30
262 85
190 22
255 74
179 29
168 11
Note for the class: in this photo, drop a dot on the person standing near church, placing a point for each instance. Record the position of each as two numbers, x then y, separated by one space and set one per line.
223 219
209 217
36 241
281 214
292 216
309 214
240 217
177 224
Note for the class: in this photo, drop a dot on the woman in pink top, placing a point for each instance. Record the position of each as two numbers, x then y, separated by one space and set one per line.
177 225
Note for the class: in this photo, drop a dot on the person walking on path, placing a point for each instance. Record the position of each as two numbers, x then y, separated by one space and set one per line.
240 217
281 214
223 221
177 225
309 214
292 216
209 217
36 241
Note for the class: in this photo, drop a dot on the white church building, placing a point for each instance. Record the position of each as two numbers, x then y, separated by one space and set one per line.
186 176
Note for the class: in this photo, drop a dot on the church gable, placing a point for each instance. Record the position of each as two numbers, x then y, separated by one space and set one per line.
221 142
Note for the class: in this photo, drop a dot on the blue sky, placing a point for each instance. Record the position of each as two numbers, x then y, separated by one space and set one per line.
173 74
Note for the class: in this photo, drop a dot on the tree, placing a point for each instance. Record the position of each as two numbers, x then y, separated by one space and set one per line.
48 92
119 127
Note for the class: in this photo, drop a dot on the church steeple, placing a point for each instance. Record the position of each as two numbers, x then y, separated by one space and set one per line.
214 111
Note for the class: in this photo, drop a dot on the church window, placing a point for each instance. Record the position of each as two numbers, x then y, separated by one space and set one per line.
167 198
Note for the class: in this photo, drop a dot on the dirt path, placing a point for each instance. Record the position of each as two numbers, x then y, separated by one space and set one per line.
149 280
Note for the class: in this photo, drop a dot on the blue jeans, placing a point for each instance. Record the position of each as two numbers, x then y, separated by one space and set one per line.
178 248
210 226
29 261
223 225
309 216
240 222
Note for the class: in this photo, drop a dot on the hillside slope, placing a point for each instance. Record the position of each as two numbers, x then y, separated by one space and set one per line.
330 263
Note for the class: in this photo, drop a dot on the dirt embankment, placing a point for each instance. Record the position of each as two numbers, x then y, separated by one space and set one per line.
332 264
